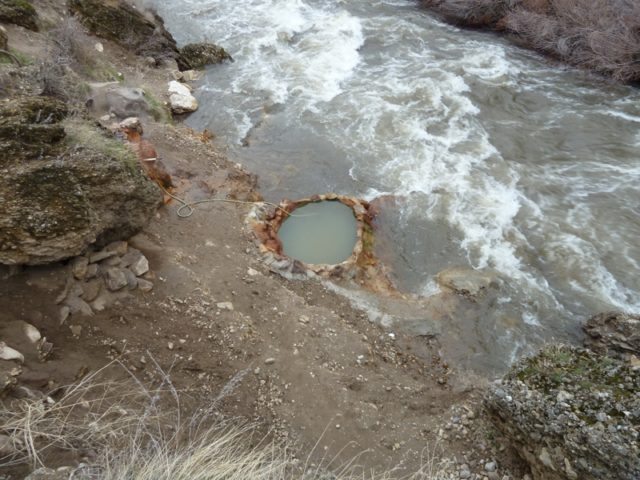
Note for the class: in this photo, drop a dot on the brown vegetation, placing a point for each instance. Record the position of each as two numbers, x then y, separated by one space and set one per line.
601 35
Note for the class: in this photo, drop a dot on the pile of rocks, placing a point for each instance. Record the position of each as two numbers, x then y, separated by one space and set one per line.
99 278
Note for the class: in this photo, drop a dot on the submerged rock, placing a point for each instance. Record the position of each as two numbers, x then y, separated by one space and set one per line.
196 56
19 12
64 187
571 414
466 281
142 32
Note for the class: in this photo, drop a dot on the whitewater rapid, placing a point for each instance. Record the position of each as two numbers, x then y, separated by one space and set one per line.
505 160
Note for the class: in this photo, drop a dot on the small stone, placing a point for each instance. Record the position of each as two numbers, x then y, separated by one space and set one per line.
170 345
65 311
79 267
145 285
270 361
31 332
252 273
99 47
490 466
225 306
76 330
303 319
120 247
140 266
101 255
77 305
8 353
115 278
132 281
91 289
92 271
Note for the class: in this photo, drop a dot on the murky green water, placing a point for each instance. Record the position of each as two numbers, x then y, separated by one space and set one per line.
320 233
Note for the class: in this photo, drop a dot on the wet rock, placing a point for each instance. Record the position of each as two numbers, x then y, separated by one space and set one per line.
614 334
196 56
79 267
180 98
115 278
89 191
141 32
4 39
19 12
571 413
466 281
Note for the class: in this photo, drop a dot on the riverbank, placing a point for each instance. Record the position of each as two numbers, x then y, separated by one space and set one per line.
601 36
217 326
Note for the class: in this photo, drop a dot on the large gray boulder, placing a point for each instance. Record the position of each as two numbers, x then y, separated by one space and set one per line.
571 414
64 186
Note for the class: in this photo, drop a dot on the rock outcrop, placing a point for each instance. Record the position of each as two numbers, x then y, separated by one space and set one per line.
572 414
142 32
64 186
614 334
19 12
196 56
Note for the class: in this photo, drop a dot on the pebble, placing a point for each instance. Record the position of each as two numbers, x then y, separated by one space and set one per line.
32 333
490 466
225 306
251 272
270 361
76 330
170 345
303 319
144 285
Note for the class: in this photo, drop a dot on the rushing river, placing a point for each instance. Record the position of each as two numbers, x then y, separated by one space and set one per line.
504 159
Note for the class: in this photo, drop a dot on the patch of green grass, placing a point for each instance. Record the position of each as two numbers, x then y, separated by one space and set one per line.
24 59
159 110
81 133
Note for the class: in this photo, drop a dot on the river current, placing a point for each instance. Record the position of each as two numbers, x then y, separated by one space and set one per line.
504 159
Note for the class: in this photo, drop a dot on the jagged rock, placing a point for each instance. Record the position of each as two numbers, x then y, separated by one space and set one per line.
120 247
614 334
140 266
196 56
19 12
117 20
180 98
60 197
92 271
466 281
4 39
115 279
132 281
571 414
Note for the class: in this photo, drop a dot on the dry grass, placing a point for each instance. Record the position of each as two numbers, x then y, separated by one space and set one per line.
126 430
601 35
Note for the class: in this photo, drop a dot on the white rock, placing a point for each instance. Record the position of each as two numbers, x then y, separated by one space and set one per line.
99 47
31 332
140 266
225 306
8 353
180 98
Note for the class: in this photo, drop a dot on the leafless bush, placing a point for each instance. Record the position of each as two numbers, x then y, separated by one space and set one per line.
602 35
